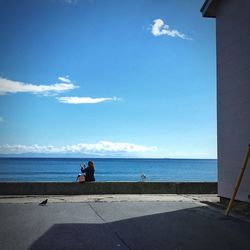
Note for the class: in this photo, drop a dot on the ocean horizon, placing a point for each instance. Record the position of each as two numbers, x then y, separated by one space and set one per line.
32 169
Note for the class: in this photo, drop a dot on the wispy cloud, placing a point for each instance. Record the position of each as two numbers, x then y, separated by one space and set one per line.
159 28
102 147
85 100
11 87
1 119
70 1
64 79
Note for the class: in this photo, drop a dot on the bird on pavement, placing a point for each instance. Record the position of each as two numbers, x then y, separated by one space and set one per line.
43 203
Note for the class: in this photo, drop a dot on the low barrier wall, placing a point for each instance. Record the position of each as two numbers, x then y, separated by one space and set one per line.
74 188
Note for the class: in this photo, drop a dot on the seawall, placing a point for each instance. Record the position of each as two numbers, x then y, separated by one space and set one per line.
75 188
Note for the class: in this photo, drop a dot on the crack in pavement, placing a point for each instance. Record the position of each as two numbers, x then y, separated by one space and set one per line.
110 228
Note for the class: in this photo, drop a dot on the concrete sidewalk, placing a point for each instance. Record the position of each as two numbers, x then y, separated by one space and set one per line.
118 222
107 198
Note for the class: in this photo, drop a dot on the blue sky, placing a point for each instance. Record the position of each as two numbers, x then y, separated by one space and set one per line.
114 78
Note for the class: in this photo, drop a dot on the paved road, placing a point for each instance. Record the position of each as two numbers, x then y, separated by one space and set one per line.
120 225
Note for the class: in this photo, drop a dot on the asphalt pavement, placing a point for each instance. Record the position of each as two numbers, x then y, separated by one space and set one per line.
123 224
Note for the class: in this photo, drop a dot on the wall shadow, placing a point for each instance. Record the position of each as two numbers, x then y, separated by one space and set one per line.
195 228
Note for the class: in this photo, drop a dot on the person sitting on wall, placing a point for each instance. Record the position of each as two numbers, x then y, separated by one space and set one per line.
89 171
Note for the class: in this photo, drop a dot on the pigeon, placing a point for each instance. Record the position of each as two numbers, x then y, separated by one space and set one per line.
43 203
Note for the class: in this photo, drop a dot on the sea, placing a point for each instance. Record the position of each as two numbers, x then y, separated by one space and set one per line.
107 169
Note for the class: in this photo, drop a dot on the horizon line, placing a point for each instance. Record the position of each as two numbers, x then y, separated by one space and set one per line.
134 158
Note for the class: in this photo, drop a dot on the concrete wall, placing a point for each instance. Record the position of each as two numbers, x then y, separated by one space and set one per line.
233 94
74 188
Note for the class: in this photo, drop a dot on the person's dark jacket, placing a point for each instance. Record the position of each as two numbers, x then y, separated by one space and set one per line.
89 173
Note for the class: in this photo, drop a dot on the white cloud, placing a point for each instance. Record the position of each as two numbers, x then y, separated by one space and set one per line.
102 147
1 119
12 87
64 79
85 100
70 1
160 29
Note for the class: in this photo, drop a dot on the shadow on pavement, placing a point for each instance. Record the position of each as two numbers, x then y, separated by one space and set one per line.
195 228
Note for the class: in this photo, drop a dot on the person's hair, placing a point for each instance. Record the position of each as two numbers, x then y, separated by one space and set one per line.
91 165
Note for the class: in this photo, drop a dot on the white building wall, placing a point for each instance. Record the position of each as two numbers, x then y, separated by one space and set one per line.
233 94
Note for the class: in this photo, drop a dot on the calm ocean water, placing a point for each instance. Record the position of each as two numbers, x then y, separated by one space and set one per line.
66 169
